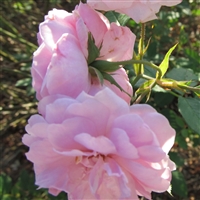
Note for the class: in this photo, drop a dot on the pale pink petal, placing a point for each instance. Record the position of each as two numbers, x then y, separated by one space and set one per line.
140 10
142 109
41 61
53 28
146 152
86 110
121 78
137 131
69 129
93 22
95 177
117 4
98 144
110 100
115 37
68 73
122 143
48 100
113 169
165 134
147 176
82 34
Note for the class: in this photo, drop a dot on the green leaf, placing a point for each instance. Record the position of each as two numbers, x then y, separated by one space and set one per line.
147 46
181 74
23 82
175 157
5 184
93 51
161 99
190 110
97 73
109 78
165 63
192 54
175 120
179 185
120 19
105 66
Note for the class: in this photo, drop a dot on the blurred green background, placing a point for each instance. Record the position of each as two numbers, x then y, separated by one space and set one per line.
19 26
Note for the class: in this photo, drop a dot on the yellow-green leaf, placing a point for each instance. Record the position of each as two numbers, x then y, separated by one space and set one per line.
165 63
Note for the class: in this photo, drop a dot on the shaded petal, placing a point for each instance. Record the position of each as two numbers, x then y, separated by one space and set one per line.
138 133
122 79
117 36
89 109
41 60
42 105
95 177
113 169
82 34
98 144
69 71
63 136
122 144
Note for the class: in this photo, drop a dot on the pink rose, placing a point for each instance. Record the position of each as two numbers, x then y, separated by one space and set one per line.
140 10
60 63
99 147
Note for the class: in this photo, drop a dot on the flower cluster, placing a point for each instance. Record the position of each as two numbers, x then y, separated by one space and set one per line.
87 140
60 65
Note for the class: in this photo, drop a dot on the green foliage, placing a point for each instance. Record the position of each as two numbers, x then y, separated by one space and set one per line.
120 19
179 185
93 51
181 74
24 189
189 108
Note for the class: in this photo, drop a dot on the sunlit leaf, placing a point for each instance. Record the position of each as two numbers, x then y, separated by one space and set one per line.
147 46
165 63
145 86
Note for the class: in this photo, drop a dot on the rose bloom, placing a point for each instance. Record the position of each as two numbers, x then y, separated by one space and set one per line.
138 10
99 147
60 63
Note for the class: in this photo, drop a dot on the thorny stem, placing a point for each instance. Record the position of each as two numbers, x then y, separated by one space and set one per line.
146 77
189 88
126 62
136 79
